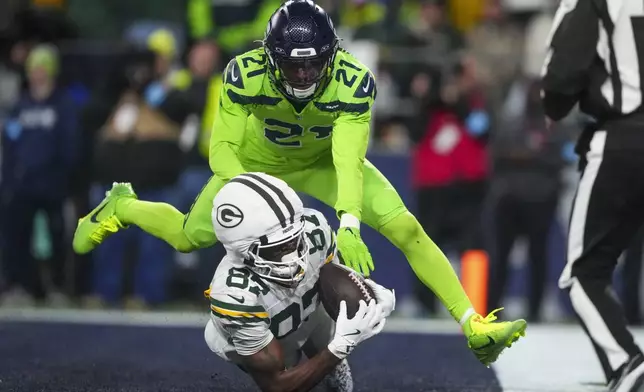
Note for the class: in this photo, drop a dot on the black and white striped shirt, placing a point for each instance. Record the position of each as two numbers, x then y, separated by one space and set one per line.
596 59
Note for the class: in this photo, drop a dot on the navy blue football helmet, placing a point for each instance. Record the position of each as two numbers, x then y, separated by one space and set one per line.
301 44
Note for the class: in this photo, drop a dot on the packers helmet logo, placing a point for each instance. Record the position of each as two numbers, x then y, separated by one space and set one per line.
229 216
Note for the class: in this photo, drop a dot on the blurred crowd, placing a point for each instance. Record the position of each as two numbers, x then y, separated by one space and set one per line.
92 91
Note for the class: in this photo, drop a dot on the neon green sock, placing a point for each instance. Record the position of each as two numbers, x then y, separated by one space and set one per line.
158 219
429 264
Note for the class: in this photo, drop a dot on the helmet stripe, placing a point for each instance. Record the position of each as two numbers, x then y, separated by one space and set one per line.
269 200
277 191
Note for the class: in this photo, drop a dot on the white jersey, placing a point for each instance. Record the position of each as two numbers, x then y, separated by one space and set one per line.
248 312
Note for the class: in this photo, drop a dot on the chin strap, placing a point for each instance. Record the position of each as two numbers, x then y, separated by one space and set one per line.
311 91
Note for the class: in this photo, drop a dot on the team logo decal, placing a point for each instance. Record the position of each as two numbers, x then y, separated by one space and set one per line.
229 216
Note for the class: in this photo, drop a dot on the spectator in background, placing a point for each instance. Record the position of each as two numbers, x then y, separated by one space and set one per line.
110 20
24 24
360 14
139 143
39 142
44 21
393 138
449 161
497 45
439 42
200 83
465 14
333 8
421 34
13 53
536 33
369 20
432 29
234 25
11 78
525 189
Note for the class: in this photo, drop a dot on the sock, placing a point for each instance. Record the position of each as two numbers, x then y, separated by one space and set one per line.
430 265
158 219
340 379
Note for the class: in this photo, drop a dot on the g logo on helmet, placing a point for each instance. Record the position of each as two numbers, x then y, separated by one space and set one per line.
229 216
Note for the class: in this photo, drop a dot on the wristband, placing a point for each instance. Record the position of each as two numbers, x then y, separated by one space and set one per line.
341 351
348 220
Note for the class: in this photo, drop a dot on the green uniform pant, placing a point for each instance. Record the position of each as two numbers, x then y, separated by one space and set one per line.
380 203
382 209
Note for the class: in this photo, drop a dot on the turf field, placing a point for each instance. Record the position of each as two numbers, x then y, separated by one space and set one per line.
74 351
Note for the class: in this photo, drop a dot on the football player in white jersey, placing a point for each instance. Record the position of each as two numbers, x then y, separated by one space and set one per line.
265 311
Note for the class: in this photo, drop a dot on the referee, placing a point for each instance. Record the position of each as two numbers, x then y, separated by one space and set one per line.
596 59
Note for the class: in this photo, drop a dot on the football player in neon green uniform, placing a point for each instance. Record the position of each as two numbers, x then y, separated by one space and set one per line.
299 108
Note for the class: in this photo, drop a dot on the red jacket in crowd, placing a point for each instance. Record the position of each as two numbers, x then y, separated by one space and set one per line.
447 153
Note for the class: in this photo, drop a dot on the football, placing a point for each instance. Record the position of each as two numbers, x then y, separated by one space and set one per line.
339 283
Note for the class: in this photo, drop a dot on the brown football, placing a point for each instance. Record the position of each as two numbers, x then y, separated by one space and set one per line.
339 283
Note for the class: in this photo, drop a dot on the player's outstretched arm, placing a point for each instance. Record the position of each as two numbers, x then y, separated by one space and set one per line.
267 366
348 157
350 139
228 128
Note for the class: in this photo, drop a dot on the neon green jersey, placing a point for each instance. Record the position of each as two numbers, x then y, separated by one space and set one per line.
257 128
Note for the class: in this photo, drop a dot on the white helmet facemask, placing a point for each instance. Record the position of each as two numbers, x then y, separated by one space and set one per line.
300 93
282 259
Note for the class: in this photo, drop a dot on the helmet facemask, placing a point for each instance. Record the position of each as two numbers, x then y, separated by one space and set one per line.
301 78
282 261
301 43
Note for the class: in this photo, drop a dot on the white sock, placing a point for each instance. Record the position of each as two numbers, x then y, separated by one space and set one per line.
340 379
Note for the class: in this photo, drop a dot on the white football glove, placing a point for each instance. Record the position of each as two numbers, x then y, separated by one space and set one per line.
385 297
368 321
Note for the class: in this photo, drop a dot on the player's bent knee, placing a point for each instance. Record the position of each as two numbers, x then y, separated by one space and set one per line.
181 243
214 339
403 231
192 238
185 247
210 336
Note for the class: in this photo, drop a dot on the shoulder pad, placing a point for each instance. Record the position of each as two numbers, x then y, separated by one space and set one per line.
234 293
245 73
314 218
319 233
354 85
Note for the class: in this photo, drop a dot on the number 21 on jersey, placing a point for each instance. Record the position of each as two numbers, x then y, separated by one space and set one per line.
283 133
288 135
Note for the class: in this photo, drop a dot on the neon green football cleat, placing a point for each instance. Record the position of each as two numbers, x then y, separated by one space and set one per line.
488 339
102 222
